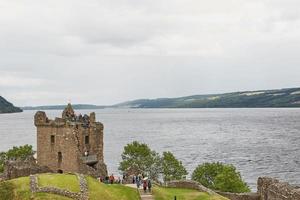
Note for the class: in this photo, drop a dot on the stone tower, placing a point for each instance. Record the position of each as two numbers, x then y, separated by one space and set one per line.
71 143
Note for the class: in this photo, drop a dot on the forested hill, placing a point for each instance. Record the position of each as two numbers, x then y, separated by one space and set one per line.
248 99
7 107
61 107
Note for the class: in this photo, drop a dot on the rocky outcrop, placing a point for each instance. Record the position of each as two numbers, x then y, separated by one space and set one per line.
20 168
272 189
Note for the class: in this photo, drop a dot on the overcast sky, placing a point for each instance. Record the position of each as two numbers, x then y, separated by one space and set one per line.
105 52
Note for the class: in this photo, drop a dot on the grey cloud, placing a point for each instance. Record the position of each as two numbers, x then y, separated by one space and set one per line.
104 52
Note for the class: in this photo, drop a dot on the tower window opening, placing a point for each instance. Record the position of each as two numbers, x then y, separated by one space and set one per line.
52 139
59 155
87 140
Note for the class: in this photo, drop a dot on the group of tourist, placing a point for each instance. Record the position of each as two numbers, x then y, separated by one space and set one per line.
140 181
110 180
143 181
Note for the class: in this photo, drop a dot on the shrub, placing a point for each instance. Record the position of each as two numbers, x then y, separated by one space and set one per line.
6 190
222 177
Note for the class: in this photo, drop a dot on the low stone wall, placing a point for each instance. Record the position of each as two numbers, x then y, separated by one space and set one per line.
82 195
272 189
243 196
190 185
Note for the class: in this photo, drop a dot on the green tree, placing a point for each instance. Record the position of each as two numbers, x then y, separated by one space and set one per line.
218 176
20 152
172 168
138 157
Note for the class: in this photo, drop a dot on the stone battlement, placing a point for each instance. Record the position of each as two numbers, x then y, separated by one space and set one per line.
68 118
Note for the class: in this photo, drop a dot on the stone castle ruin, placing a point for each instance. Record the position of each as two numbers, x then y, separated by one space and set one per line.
72 143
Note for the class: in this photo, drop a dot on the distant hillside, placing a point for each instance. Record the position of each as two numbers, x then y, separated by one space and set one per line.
248 99
61 107
7 107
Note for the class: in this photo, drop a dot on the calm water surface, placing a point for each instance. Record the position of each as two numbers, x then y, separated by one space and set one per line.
259 142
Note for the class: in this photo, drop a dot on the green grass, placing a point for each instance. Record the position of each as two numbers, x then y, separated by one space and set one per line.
110 192
161 193
99 190
65 181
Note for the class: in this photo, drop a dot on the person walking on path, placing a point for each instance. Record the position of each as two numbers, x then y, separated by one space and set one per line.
138 182
149 185
112 179
145 185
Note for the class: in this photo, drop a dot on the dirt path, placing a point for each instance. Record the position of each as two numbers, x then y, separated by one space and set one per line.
143 195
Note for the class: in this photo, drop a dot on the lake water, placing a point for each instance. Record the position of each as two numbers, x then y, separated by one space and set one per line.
259 142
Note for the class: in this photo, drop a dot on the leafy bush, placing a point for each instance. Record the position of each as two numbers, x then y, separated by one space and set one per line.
6 190
20 152
218 176
172 168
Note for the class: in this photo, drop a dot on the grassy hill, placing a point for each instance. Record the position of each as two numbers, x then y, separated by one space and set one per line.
21 188
248 99
7 107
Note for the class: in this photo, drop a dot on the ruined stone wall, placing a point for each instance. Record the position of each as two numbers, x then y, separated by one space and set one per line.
272 189
96 134
64 142
20 168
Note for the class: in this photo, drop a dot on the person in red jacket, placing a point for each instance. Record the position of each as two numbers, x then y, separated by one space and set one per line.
145 185
111 179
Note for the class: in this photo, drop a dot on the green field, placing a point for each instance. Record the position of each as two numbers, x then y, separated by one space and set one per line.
161 193
96 190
